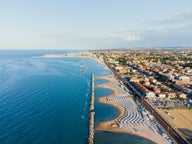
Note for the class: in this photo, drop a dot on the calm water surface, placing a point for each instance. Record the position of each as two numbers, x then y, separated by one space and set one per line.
46 101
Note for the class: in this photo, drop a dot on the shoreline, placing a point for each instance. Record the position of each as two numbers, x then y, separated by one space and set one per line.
107 126
114 93
73 55
112 125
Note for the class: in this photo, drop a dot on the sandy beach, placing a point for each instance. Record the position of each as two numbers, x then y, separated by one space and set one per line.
107 125
112 126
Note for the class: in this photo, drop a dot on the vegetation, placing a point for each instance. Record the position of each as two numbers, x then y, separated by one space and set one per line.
122 61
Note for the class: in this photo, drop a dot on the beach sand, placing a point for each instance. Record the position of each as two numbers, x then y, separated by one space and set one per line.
107 126
111 126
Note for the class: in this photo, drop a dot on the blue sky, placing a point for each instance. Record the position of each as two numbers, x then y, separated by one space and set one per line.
94 24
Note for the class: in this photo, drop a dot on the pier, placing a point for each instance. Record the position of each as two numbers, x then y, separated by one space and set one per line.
92 119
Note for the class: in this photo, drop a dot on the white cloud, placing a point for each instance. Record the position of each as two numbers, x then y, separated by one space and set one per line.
130 37
127 36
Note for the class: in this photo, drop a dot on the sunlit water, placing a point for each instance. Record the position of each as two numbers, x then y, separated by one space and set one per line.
46 101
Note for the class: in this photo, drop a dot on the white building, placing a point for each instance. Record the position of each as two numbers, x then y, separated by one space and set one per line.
184 78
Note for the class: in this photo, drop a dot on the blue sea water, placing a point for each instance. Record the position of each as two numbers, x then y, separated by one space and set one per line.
46 101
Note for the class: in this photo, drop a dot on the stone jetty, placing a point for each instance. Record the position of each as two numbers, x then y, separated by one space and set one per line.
92 93
91 120
91 128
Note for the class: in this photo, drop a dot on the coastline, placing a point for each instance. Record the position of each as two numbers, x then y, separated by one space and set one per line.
107 126
77 55
112 125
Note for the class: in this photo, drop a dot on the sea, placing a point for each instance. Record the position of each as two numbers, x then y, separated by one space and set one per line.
46 101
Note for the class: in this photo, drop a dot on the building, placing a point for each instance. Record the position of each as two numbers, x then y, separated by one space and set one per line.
161 95
150 94
118 68
152 80
144 91
171 95
182 88
156 90
147 82
181 95
167 76
184 78
134 79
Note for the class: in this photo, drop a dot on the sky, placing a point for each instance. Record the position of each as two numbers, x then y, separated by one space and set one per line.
95 24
